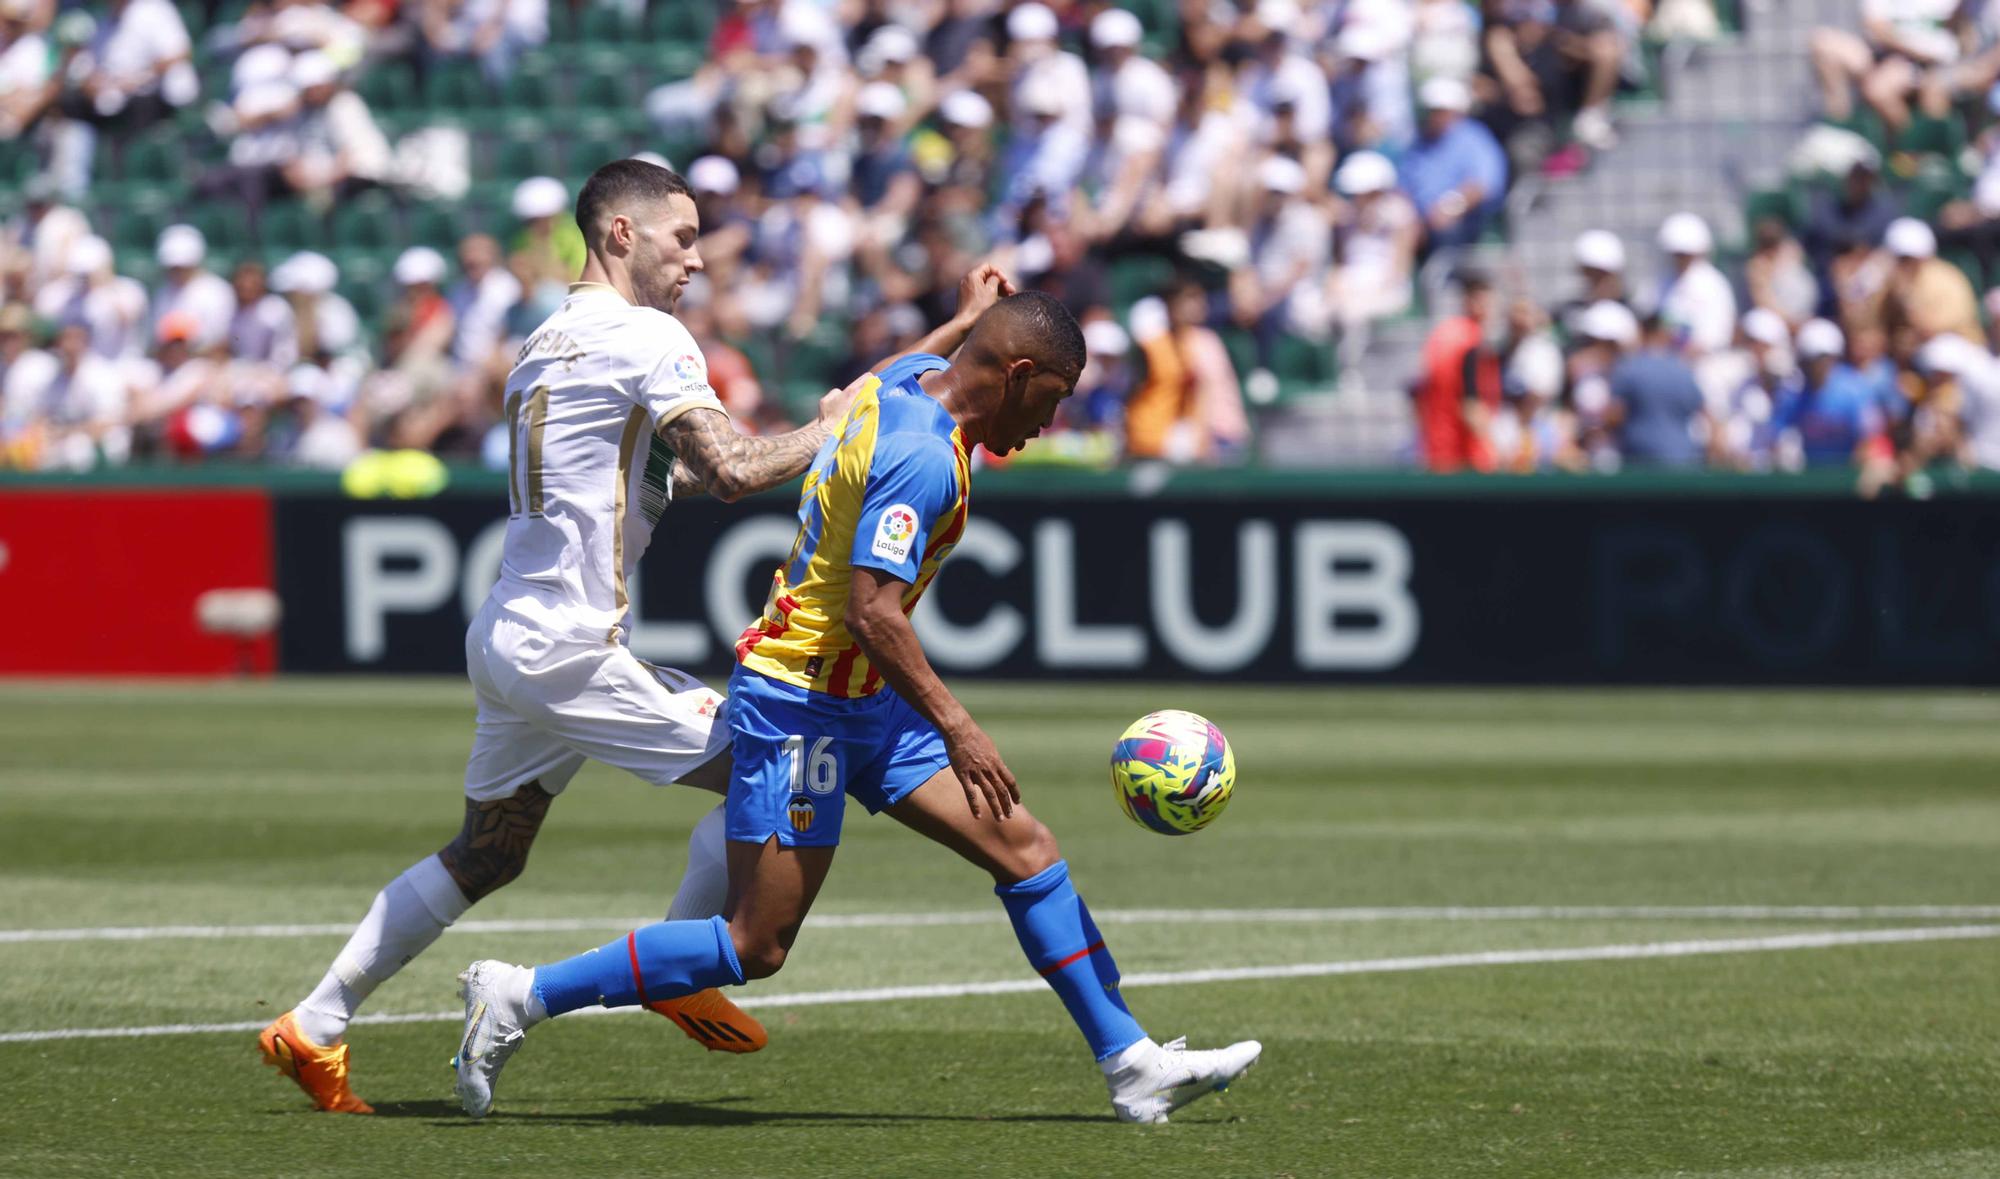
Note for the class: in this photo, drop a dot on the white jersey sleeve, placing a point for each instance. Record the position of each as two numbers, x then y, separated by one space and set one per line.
677 381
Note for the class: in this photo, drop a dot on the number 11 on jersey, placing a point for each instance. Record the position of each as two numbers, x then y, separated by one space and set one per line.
818 772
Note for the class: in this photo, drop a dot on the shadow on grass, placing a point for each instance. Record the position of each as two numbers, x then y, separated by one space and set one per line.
715 1111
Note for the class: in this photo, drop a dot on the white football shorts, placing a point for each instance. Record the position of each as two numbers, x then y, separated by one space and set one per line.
546 703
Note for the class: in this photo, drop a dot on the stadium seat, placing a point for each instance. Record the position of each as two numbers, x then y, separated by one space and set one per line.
455 85
367 222
289 225
531 87
604 85
387 87
605 24
675 25
1776 202
1135 277
1303 365
525 152
223 224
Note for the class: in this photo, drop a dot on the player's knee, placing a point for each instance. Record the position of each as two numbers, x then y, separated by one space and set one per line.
1030 850
479 872
759 956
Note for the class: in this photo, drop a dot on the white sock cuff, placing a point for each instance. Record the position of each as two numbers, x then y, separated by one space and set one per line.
436 889
1126 1058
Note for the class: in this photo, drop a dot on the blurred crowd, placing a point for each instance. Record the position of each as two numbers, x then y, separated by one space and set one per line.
1868 353
1271 171
1851 334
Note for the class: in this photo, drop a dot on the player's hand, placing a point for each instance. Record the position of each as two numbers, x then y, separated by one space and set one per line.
834 405
982 774
986 285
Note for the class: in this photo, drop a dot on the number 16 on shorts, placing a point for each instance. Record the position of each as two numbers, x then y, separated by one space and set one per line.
814 770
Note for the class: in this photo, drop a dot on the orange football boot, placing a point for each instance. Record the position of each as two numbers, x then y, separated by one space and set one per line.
713 1021
320 1071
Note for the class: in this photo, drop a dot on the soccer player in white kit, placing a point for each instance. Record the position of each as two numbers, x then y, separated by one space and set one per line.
611 417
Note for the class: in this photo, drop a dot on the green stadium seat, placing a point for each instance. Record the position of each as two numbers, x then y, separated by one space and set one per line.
1776 202
289 225
604 85
135 223
1929 136
223 224
681 24
532 87
387 87
594 146
1968 264
519 156
1303 365
605 24
367 222
455 85
1133 278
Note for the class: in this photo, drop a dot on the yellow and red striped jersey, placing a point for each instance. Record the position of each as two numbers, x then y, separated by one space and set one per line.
889 492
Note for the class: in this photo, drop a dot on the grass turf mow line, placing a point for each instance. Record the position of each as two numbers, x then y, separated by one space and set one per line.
113 933
1610 953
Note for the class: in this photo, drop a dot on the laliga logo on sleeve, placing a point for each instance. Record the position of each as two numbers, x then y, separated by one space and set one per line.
687 367
894 531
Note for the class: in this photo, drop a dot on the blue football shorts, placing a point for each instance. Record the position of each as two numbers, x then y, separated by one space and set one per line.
798 751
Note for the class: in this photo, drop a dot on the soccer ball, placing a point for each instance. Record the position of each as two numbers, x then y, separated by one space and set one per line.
1173 772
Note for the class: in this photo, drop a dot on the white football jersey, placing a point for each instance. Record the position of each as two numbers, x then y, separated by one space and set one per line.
587 473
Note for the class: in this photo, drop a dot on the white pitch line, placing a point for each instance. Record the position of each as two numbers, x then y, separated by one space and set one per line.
119 933
1011 986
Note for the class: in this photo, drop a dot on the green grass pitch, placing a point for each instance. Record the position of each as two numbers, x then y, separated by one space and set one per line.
290 803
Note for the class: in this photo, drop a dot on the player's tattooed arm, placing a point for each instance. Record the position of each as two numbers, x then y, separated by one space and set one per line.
709 455
492 848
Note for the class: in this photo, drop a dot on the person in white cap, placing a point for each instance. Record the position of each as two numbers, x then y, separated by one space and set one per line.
1962 381
82 402
1125 81
324 323
1658 413
1695 298
1926 295
480 300
1046 158
1456 171
883 180
548 235
187 287
341 149
1744 428
1283 290
967 118
1834 418
1044 78
1282 76
111 306
418 340
1371 88
321 436
1379 231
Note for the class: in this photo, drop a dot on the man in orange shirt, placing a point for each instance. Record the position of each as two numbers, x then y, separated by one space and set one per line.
1459 386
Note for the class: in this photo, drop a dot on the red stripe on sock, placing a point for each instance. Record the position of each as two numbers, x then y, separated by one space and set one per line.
1079 956
632 948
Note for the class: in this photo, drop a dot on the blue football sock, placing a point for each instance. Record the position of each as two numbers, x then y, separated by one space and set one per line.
662 961
1062 942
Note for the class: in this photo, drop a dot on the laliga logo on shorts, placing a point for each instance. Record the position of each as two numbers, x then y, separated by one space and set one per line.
687 367
801 813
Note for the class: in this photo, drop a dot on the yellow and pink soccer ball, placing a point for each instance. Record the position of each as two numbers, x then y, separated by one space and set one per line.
1173 772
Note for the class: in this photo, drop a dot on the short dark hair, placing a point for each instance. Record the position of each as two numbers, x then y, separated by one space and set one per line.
1044 325
621 181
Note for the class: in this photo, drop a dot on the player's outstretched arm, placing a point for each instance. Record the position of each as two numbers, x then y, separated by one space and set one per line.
710 456
978 290
876 620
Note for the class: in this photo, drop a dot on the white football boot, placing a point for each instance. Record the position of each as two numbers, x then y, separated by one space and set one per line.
1150 1081
496 1018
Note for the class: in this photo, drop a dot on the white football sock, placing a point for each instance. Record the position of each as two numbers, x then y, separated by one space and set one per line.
408 915
706 885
